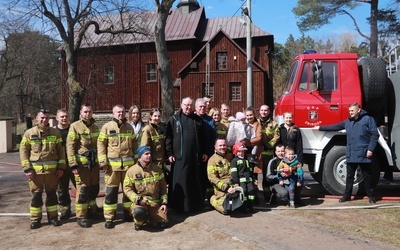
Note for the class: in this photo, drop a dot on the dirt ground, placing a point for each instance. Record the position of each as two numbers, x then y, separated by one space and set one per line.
270 227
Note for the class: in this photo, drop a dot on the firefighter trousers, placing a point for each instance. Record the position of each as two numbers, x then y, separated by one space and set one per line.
64 198
113 180
218 203
40 183
87 189
154 215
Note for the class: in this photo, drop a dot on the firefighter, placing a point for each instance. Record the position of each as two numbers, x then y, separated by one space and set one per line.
146 187
225 114
153 137
64 199
116 155
269 137
218 170
82 158
43 161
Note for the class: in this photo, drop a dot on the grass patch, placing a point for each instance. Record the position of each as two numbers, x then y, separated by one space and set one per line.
380 224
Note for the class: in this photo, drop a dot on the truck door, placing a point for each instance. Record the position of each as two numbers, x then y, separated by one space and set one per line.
317 107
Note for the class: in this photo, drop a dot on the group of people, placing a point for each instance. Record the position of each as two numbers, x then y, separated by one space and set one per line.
130 154
214 158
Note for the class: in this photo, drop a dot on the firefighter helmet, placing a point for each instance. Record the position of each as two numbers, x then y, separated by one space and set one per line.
234 201
239 146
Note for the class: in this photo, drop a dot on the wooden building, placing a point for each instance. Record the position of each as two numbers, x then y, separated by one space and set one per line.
208 56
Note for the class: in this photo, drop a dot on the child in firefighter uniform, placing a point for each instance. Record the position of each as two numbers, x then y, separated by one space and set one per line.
290 173
82 158
43 161
145 186
115 149
242 175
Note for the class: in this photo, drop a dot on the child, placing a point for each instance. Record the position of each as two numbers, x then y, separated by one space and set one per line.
238 130
290 170
242 175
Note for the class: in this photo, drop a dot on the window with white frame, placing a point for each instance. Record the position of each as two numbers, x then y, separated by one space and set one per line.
151 72
235 91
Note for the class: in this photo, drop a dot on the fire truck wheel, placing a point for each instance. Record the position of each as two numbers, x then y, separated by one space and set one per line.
373 81
334 173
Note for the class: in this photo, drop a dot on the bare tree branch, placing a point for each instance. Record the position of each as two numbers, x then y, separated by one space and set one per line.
355 24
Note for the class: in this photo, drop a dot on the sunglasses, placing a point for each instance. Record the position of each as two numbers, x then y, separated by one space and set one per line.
44 111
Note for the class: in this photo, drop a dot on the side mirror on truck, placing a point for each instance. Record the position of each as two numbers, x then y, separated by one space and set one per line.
318 74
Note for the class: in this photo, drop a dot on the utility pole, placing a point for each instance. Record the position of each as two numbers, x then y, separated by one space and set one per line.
247 12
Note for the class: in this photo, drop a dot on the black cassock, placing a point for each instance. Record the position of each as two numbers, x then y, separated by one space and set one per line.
188 191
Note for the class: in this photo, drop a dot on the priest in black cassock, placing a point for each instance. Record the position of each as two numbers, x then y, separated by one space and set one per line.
185 151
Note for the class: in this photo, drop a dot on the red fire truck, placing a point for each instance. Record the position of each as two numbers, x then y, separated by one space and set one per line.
319 90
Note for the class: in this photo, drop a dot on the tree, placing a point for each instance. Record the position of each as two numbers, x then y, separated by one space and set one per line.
280 65
316 13
389 25
69 20
29 69
164 63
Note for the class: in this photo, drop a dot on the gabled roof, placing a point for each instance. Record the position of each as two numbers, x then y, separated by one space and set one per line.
211 40
193 25
232 27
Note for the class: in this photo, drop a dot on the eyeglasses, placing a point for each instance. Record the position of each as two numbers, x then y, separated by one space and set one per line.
44 111
187 105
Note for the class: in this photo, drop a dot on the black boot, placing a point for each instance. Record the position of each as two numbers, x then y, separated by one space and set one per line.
83 223
109 224
55 222
66 214
36 224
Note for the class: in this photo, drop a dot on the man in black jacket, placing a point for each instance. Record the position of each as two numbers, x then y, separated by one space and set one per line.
185 151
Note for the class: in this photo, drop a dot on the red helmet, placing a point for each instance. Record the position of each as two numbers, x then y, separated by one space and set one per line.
239 146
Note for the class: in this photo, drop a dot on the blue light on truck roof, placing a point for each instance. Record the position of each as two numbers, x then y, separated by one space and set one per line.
309 51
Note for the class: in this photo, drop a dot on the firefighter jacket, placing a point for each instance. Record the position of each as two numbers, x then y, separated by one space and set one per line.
218 171
145 183
41 150
82 143
153 137
222 130
270 135
115 146
241 171
225 121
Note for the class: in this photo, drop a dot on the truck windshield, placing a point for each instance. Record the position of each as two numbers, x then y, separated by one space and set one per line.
292 75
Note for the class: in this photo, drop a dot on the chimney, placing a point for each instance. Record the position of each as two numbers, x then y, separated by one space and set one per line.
187 6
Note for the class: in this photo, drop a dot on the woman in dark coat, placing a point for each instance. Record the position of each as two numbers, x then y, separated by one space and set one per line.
290 135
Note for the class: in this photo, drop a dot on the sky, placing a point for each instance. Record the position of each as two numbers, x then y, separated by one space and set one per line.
276 17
